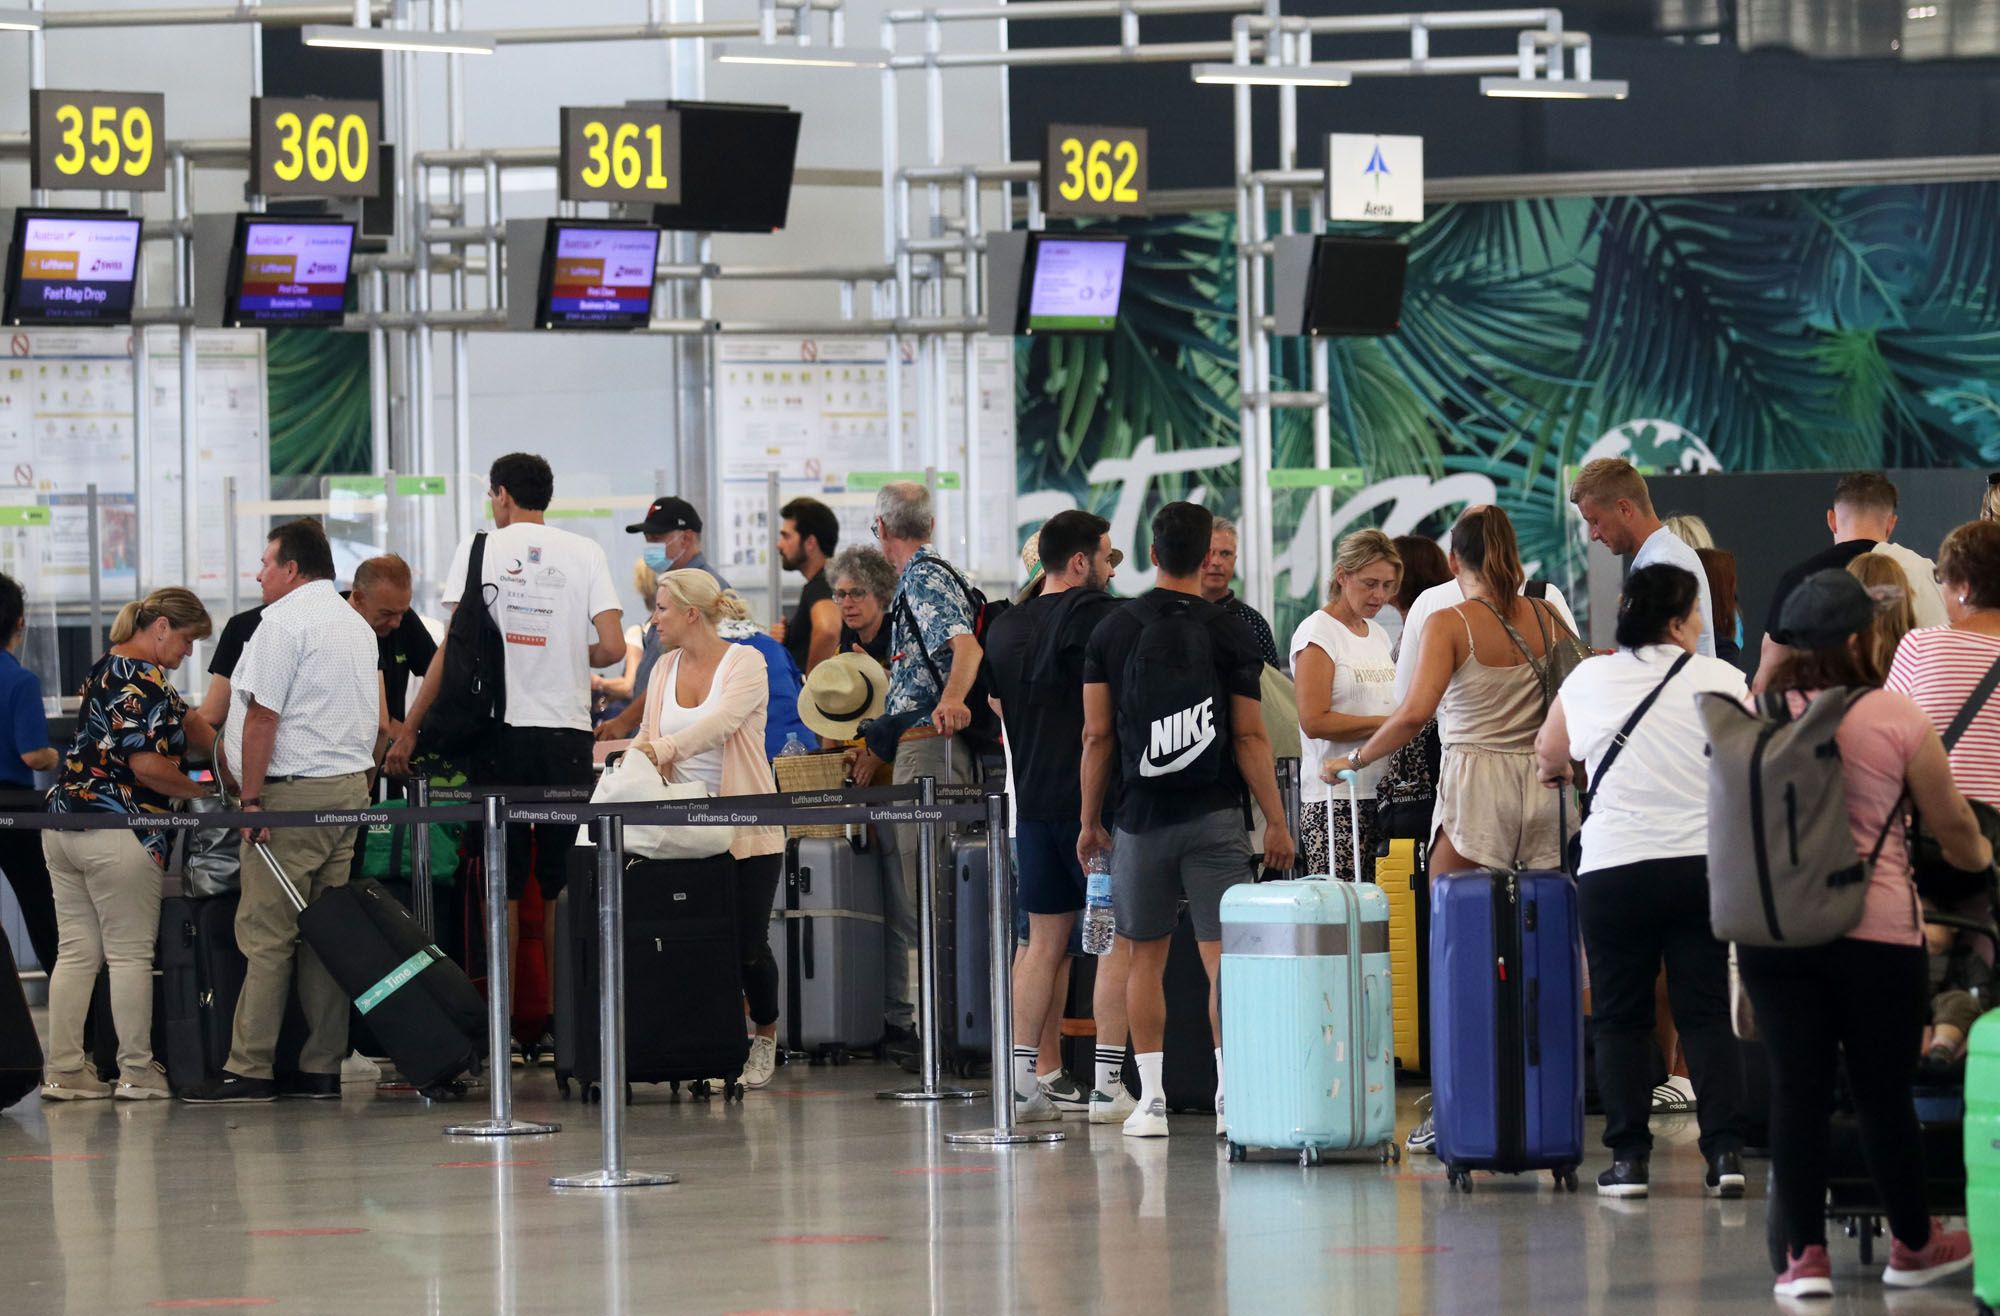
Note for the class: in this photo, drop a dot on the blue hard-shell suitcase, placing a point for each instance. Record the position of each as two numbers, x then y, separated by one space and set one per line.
1307 1059
1507 1024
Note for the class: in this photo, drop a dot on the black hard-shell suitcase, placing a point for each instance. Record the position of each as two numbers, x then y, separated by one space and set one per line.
20 1048
965 1009
684 1020
420 1005
1187 1067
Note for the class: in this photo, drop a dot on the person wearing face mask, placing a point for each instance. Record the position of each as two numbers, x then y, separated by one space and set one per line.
673 543
132 731
1346 674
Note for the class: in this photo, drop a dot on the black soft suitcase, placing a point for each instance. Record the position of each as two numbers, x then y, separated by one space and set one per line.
419 1004
20 1048
201 975
684 1020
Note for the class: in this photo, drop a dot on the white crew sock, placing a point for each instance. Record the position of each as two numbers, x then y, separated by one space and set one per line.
1024 1073
1110 1070
1218 1078
1150 1083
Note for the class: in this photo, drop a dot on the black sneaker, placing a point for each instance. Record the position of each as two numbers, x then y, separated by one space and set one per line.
898 1040
309 1087
1626 1178
231 1089
1725 1175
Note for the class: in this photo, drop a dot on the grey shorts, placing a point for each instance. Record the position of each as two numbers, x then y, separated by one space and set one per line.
1200 858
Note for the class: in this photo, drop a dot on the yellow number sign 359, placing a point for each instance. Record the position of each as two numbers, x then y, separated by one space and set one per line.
322 149
1100 171
111 144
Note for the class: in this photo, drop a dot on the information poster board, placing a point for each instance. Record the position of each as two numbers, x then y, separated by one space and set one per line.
66 421
817 412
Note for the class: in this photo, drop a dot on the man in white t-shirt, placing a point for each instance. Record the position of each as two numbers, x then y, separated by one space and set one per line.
557 609
1449 595
1611 497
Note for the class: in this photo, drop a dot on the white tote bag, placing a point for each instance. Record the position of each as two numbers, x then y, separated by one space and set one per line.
634 779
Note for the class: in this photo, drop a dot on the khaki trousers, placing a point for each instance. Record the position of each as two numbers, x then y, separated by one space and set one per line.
267 931
107 902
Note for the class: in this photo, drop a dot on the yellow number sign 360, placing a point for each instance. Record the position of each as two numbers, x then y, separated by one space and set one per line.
323 149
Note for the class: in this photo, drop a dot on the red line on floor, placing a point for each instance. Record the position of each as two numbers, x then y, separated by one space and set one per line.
791 1311
480 1165
75 1156
181 1303
303 1233
828 1238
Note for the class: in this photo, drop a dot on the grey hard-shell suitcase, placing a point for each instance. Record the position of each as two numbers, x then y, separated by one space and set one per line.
966 1007
828 938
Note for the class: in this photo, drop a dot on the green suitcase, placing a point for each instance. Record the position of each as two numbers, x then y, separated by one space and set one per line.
1982 1159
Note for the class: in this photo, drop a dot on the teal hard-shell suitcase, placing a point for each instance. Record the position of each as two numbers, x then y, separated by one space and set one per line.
1307 1054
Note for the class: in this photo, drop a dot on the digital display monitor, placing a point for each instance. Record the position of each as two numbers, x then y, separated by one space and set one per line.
1356 287
288 271
597 275
736 168
1073 284
71 267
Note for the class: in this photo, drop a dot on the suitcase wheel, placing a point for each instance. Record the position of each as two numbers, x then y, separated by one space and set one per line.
1308 1157
592 1094
1565 1178
734 1092
1391 1152
1459 1179
1238 1152
562 1087
701 1090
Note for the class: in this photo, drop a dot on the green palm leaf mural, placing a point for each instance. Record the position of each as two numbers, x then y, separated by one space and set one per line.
1788 330
318 382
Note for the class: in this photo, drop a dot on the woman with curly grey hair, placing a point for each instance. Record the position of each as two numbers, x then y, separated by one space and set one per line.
864 582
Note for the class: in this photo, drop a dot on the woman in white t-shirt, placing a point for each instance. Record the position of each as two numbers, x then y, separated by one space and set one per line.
1346 675
1642 881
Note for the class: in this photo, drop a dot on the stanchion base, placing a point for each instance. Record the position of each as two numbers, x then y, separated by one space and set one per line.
934 1094
1003 1137
608 1179
499 1129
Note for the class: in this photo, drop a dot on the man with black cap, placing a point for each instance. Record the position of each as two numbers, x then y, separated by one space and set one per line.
673 541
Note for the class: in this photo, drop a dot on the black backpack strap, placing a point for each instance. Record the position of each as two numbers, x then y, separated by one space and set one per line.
1973 703
1631 725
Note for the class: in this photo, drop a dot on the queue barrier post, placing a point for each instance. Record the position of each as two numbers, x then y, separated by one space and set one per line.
609 835
500 1122
423 906
927 963
1001 977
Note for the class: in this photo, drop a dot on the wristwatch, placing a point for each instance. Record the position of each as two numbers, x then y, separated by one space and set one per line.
1354 758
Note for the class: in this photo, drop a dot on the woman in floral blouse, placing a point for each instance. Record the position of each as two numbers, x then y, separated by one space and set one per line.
132 732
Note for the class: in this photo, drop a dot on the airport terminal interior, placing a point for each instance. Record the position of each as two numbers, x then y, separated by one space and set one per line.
1059 587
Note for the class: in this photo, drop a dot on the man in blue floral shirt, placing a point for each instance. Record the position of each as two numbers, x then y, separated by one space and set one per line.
934 658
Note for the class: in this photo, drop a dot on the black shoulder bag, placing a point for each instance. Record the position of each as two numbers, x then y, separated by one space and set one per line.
1937 881
472 690
1573 847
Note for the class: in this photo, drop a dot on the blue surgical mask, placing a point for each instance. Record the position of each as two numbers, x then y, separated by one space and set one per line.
655 557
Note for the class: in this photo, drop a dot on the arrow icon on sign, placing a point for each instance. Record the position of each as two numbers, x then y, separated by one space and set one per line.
1377 166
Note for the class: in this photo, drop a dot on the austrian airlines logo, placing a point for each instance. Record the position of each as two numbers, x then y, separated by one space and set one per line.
1178 740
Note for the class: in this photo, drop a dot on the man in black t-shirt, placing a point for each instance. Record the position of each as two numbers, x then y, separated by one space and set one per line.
1181 814
1863 515
808 538
382 594
1034 666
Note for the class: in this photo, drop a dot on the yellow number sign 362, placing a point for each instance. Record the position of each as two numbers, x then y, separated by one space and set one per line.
1094 171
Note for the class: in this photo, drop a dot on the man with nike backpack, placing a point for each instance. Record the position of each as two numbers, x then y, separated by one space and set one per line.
1170 702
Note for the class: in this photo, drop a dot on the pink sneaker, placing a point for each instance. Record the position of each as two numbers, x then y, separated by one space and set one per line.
1948 1252
1809 1276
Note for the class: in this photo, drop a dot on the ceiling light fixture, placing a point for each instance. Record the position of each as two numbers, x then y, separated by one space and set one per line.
1272 75
1557 89
807 57
327 36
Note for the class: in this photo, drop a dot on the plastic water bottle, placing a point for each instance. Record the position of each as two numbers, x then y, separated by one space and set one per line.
1098 926
793 745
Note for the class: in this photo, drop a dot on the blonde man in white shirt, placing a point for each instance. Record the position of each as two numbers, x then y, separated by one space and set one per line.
557 609
1611 497
1642 878
306 713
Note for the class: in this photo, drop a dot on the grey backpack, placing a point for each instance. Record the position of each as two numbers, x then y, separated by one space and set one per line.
1783 869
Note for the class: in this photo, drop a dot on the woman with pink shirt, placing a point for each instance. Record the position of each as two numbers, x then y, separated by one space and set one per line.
1866 994
704 721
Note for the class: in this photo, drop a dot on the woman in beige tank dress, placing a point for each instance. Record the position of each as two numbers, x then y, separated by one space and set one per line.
1488 698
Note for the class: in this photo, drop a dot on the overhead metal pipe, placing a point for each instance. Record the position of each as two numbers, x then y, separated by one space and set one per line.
1047 9
1176 52
551 36
208 15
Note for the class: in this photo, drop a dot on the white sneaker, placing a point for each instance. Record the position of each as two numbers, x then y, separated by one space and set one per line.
1148 1121
1037 1109
761 1063
358 1068
1111 1109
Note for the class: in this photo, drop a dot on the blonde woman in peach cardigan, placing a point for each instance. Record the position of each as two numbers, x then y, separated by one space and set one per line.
704 721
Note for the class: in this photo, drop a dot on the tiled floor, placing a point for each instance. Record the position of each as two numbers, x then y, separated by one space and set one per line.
814 1196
